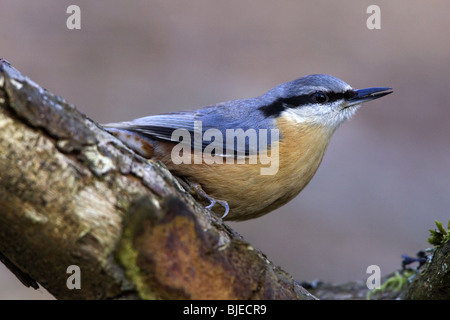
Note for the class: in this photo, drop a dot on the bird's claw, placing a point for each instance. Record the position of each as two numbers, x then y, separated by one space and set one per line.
187 184
225 205
212 201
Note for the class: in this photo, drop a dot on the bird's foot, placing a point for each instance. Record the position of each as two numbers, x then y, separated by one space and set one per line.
189 185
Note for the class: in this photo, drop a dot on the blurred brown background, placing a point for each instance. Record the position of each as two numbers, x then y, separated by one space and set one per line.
386 175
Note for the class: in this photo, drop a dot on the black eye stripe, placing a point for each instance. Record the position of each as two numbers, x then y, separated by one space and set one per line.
320 97
333 96
276 107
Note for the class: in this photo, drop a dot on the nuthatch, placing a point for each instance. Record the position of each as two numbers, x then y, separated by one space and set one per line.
222 151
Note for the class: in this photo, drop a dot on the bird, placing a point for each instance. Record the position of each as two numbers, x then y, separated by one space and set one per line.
248 157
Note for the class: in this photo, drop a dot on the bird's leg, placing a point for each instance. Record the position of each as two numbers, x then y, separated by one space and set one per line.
189 185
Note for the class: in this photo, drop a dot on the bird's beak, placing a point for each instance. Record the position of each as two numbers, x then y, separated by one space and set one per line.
363 95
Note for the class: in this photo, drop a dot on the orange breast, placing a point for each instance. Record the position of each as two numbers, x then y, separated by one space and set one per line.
248 193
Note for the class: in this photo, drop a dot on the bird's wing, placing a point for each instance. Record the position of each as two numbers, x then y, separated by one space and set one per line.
158 126
246 140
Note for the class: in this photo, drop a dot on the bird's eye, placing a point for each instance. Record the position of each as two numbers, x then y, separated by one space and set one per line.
320 97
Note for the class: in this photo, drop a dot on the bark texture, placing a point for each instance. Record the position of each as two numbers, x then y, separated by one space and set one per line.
71 194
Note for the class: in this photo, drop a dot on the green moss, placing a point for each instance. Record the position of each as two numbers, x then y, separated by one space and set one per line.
440 236
393 284
127 256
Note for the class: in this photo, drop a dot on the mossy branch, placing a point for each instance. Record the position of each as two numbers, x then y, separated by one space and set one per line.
71 194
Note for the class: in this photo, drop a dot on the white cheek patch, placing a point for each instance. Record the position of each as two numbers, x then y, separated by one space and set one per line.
325 115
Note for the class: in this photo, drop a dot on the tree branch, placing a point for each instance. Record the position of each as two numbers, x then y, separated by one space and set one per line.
71 194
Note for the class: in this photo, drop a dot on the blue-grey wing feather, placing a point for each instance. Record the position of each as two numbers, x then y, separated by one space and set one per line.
236 114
